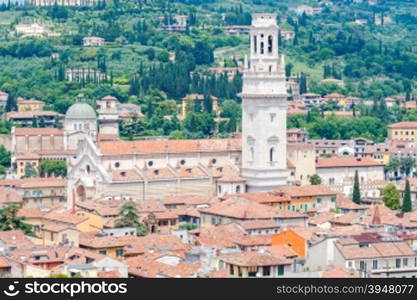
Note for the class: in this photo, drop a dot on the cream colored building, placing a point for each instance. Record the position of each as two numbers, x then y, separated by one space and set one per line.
29 105
403 131
302 156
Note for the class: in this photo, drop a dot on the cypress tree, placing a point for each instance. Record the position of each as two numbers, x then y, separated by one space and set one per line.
356 196
11 104
407 207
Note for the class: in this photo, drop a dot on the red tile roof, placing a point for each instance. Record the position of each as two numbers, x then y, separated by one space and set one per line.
15 238
169 146
34 182
337 162
254 259
244 209
403 125
306 191
38 131
4 263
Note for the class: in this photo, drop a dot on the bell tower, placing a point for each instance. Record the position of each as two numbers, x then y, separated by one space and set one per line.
264 109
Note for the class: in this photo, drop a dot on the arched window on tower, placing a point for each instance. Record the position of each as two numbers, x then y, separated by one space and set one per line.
252 154
238 189
270 41
262 47
255 43
272 154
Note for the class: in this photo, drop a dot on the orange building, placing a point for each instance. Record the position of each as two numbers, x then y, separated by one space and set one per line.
292 239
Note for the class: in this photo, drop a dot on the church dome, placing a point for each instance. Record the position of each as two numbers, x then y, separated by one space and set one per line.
80 110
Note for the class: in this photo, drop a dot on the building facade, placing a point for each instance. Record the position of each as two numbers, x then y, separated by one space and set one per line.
264 109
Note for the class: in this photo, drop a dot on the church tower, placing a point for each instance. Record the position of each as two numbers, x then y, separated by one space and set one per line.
264 109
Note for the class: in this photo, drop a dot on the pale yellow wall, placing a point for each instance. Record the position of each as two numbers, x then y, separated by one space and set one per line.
29 107
409 134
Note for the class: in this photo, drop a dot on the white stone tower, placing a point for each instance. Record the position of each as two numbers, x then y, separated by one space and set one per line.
264 109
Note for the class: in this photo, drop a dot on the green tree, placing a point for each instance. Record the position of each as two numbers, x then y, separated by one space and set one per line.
51 167
391 196
356 196
407 206
5 157
9 220
30 171
128 217
11 104
406 165
315 179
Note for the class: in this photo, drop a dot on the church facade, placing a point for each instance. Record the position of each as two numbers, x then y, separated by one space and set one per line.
209 167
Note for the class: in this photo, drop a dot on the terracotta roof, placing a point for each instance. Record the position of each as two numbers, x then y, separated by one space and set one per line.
228 174
4 263
254 259
102 208
10 197
306 190
339 272
91 240
64 216
244 209
337 162
221 273
34 182
166 215
142 266
296 111
153 242
347 219
38 131
376 250
161 173
169 146
257 240
321 218
31 212
282 251
57 227
403 125
191 172
126 175
15 238
222 236
185 199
